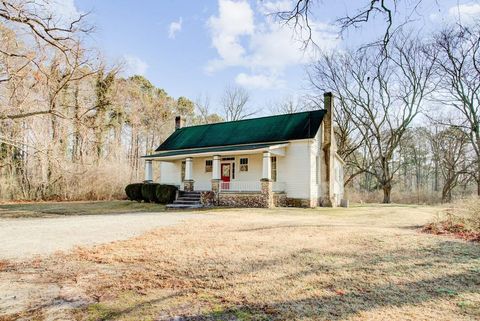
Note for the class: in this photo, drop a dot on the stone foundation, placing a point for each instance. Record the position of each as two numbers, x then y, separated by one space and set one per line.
298 202
279 199
188 186
208 198
245 199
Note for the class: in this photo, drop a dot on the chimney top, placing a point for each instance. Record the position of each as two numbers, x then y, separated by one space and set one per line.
178 122
328 94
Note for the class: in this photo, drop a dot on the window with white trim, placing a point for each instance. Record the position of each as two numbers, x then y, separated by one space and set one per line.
273 168
184 164
208 166
243 164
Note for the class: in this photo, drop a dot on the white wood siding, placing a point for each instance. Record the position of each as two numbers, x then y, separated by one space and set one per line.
295 169
170 173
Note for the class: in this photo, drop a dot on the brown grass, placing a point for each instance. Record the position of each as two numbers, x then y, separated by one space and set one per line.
366 263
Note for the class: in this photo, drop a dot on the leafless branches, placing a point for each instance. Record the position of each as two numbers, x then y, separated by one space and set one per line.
458 78
300 17
234 102
380 96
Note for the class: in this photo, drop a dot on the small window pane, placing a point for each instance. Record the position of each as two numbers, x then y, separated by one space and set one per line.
274 168
243 164
183 171
208 166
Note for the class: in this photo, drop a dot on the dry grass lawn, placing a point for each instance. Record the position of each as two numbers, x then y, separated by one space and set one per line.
363 263
53 209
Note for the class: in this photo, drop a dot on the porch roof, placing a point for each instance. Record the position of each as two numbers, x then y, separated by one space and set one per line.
278 128
215 150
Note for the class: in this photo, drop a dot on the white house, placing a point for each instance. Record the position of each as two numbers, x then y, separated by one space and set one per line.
282 160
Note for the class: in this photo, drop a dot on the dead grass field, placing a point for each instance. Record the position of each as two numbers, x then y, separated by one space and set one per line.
363 263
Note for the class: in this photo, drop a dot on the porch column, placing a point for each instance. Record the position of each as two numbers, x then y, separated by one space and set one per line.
267 171
148 171
266 181
188 183
216 173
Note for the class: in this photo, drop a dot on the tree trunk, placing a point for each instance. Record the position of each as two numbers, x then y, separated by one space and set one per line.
387 191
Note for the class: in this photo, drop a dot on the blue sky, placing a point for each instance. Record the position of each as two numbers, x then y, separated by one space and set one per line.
193 48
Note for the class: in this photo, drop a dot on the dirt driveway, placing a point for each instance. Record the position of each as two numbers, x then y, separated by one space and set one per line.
24 238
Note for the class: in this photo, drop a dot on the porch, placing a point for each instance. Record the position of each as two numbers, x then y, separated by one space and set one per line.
251 169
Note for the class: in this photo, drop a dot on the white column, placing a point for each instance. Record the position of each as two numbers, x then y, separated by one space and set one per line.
188 169
216 167
148 171
266 173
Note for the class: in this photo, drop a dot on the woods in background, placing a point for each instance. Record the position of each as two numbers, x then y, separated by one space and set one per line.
71 127
408 114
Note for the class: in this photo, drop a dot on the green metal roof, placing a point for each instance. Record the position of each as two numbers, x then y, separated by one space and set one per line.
211 149
269 129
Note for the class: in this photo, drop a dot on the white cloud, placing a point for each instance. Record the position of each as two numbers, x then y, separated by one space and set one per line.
134 66
265 47
468 13
235 19
174 27
259 81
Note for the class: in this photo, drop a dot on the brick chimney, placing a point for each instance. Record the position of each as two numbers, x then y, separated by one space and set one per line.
328 118
328 151
178 122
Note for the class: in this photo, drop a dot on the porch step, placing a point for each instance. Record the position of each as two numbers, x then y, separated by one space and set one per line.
182 201
186 200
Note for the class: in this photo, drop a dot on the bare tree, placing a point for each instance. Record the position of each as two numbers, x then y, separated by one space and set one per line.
290 105
300 16
459 82
450 147
235 103
381 96
48 38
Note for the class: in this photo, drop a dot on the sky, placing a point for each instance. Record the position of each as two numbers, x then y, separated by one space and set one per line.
197 48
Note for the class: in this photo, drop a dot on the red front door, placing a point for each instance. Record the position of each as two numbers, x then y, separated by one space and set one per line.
226 172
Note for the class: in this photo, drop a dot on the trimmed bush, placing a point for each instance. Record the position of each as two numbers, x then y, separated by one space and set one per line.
149 192
166 193
134 192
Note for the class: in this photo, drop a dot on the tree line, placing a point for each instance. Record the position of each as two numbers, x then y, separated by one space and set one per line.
408 111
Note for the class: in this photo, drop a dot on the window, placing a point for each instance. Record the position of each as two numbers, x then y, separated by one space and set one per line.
233 170
274 168
208 166
243 164
183 171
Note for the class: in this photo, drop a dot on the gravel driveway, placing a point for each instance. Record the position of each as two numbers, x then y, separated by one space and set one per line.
23 238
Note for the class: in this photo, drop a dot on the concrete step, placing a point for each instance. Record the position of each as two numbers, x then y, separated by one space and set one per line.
189 195
187 202
182 206
189 198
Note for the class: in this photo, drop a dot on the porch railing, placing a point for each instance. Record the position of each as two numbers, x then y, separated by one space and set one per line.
240 186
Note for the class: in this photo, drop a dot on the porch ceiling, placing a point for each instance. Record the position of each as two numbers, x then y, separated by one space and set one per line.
211 151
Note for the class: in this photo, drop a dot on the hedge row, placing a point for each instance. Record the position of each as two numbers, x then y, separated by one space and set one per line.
151 192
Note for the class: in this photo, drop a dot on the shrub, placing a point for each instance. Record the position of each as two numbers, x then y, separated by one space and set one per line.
149 192
166 193
134 192
462 220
